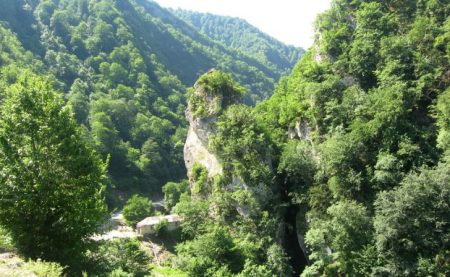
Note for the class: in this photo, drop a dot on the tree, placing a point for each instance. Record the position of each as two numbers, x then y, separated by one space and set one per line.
213 249
194 213
172 192
254 270
412 225
136 209
278 262
51 182
117 73
123 254
339 244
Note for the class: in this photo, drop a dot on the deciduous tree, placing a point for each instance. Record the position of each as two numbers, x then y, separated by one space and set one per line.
50 181
137 209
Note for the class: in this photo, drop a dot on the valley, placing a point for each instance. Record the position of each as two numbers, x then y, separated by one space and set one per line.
277 160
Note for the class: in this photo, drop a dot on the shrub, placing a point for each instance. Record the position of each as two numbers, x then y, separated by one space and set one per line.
123 257
172 192
136 209
44 269
162 228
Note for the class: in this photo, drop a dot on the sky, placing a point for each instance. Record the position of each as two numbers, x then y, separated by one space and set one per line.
289 21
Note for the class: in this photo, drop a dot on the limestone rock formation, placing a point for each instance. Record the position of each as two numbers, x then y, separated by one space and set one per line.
300 131
205 105
214 93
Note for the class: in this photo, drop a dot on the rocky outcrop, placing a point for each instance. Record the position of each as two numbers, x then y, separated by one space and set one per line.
196 151
319 55
300 131
204 107
201 127
302 244
213 95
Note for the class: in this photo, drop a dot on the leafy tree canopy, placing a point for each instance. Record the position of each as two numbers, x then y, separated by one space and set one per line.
52 182
137 209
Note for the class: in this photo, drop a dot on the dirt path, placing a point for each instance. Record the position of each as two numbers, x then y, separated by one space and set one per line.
116 228
117 216
159 206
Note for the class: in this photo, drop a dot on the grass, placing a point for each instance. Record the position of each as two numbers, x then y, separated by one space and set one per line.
12 266
168 272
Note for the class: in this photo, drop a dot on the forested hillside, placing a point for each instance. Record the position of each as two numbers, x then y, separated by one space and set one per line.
363 126
242 36
342 172
125 67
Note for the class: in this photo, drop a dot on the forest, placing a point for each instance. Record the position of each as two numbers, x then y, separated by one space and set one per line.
281 162
128 90
240 35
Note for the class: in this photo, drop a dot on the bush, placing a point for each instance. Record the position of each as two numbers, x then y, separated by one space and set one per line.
43 269
213 250
122 257
5 239
137 209
162 228
172 192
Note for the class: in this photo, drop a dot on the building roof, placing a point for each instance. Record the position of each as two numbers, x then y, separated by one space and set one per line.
149 221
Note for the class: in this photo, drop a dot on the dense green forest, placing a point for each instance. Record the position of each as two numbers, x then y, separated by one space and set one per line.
125 67
343 171
240 35
358 139
368 108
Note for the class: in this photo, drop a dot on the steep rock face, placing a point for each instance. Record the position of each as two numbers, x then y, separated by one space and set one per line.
300 131
204 107
214 94
197 141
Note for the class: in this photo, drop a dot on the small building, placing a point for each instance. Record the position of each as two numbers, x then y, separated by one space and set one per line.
147 226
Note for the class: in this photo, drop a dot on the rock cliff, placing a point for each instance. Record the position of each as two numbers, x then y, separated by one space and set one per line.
205 105
214 94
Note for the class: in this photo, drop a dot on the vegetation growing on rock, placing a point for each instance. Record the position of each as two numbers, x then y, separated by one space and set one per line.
349 157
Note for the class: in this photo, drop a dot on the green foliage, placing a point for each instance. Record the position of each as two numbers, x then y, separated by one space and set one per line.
162 228
52 182
243 146
113 58
193 50
194 215
169 272
5 239
199 175
339 243
215 84
122 257
252 270
369 103
137 209
47 269
211 252
410 223
173 191
120 273
31 268
298 163
278 262
241 36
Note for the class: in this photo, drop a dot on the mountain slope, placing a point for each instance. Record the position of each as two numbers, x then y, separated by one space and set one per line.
362 125
186 53
125 66
242 36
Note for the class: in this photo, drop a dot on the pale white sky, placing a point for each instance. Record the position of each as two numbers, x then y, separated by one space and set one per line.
289 21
